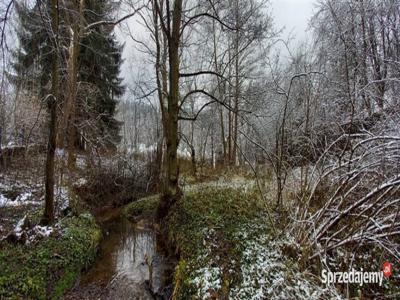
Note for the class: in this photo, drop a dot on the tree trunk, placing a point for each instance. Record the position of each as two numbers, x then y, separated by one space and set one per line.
170 191
221 92
237 88
364 77
1 152
193 158
192 146
229 159
222 127
73 84
48 215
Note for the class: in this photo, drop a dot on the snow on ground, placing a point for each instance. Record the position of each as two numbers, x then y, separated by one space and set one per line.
81 161
267 274
18 198
80 182
28 194
146 149
235 183
18 228
39 232
208 278
3 200
35 233
7 183
22 199
60 153
27 198
16 192
62 198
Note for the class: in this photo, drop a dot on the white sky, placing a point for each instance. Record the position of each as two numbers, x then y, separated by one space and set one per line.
293 15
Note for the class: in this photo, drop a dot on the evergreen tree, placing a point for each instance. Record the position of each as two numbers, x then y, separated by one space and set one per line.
99 63
32 63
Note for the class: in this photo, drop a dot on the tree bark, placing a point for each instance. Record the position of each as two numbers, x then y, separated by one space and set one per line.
221 92
77 28
170 190
48 215
364 77
237 87
230 126
1 152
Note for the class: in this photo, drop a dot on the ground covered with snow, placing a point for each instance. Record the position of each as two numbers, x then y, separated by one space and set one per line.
22 195
268 274
18 197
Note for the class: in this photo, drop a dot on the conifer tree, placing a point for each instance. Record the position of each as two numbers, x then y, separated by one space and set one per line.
98 63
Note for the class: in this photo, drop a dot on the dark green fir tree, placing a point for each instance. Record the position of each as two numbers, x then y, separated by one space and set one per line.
99 63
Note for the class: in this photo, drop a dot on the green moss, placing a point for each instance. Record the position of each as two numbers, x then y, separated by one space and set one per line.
223 210
46 269
144 207
66 281
182 286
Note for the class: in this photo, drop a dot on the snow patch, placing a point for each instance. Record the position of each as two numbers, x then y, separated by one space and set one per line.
39 232
18 230
60 152
62 198
80 182
23 199
36 233
207 279
3 200
238 183
81 161
268 274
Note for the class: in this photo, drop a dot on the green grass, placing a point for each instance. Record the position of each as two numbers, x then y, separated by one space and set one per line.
204 229
46 269
220 209
142 208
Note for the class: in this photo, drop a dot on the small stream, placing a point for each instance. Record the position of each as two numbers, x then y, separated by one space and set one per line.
130 265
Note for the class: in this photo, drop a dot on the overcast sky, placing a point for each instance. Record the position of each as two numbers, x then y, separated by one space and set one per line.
293 15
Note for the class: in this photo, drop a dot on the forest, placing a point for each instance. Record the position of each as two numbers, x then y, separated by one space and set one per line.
196 149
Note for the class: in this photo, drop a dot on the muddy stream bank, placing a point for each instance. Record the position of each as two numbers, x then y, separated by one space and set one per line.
131 263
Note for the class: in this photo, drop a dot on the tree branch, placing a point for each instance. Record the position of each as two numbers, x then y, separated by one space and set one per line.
114 23
209 16
215 100
201 73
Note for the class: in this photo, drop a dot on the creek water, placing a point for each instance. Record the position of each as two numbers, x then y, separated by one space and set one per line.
130 265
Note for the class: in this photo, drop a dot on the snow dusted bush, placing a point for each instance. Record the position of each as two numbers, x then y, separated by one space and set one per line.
115 179
360 196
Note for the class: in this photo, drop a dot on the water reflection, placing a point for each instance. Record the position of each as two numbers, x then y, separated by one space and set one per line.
129 265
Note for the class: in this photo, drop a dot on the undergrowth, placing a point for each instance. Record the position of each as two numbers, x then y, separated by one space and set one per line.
46 269
142 208
226 249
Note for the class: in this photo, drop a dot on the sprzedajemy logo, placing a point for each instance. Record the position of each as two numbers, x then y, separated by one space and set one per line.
358 277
